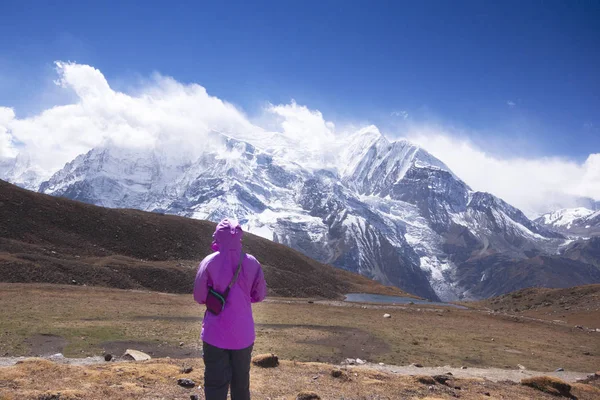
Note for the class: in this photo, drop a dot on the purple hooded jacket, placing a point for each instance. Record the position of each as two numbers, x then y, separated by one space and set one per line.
233 328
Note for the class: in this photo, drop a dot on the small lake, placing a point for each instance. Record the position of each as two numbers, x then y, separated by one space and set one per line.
381 299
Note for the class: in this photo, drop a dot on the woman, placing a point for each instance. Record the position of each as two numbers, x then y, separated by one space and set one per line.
229 336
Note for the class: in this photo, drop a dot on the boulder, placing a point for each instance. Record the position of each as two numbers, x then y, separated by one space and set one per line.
387 316
441 379
186 383
136 355
266 360
308 396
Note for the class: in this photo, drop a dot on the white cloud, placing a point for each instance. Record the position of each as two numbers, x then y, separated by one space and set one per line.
302 124
164 113
534 185
176 117
401 114
511 103
7 149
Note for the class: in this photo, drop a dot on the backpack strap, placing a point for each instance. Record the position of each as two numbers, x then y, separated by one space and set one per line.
235 277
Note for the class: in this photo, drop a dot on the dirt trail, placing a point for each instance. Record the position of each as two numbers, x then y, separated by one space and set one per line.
492 374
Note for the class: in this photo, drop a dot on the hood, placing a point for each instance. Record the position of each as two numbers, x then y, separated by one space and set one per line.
227 236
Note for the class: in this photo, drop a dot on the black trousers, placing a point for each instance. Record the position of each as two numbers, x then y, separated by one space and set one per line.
224 368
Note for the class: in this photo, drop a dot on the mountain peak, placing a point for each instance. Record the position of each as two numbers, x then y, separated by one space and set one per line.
372 162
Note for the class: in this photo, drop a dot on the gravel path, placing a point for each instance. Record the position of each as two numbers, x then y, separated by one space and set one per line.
492 374
10 361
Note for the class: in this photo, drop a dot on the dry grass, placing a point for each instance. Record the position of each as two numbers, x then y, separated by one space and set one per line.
89 317
157 379
549 384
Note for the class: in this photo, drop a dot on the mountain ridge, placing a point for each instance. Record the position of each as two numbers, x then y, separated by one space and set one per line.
390 210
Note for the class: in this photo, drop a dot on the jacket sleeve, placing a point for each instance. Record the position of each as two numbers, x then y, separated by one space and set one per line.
201 283
259 286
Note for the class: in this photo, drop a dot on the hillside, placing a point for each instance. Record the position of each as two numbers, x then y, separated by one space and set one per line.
578 305
574 298
54 240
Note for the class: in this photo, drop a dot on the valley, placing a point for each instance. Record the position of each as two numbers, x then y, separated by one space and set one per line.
43 319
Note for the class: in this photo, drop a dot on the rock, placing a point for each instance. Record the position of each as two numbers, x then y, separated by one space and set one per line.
441 379
360 362
186 383
463 367
266 360
579 327
311 302
411 303
449 373
181 344
587 353
381 364
487 394
108 357
194 397
521 367
308 396
425 380
431 388
416 365
350 361
387 316
559 370
336 373
186 370
136 355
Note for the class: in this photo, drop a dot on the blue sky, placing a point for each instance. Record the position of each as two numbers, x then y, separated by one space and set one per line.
516 72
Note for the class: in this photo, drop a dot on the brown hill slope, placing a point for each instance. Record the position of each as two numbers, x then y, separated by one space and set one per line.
574 298
579 305
48 239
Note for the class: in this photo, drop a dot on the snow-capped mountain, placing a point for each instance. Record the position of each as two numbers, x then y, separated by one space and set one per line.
388 210
580 221
565 217
21 172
